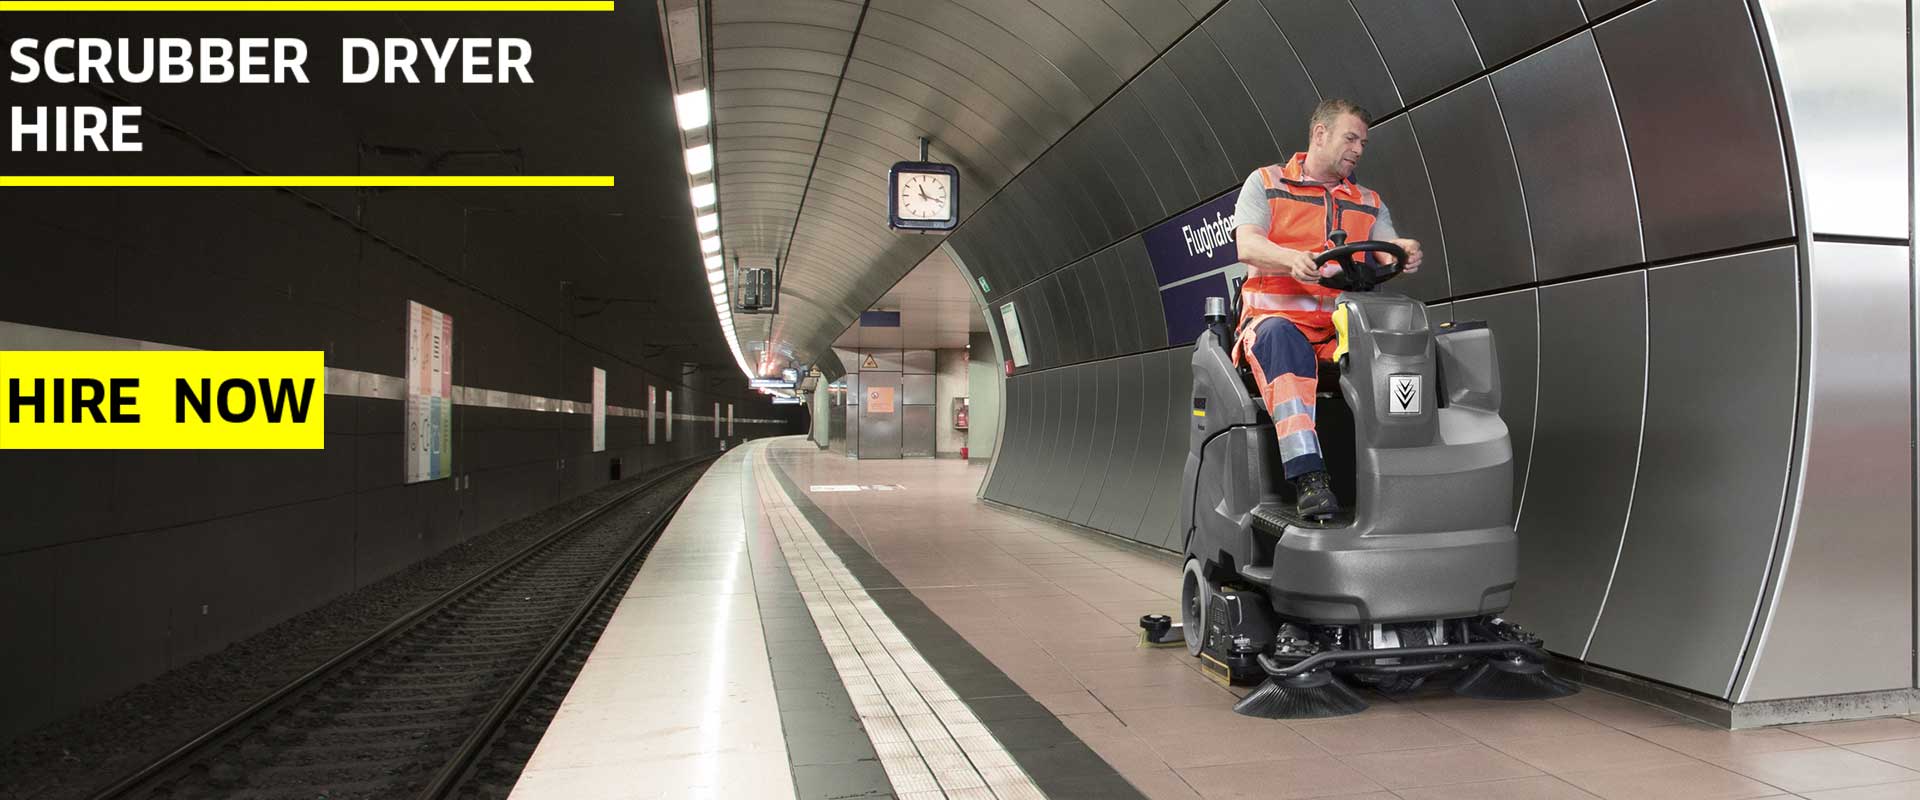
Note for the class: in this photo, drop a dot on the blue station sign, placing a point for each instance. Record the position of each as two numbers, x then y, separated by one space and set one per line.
1194 257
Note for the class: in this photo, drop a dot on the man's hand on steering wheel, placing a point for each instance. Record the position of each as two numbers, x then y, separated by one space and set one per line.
1300 265
1414 256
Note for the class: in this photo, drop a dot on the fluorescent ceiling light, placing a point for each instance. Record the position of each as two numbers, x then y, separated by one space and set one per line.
699 159
704 195
710 245
691 108
707 223
714 263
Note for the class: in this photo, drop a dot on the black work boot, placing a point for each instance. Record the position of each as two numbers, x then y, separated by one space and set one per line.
1314 491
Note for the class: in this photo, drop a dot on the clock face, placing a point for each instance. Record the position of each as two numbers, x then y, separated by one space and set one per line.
925 195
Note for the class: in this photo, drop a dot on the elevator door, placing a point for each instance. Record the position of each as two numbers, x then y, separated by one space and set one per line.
880 402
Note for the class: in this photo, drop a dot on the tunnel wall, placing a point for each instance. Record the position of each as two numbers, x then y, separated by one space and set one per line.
1612 186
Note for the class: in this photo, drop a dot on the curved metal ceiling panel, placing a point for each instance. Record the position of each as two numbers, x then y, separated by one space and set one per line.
815 99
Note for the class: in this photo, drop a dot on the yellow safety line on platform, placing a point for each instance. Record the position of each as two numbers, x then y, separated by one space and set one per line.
288 181
306 5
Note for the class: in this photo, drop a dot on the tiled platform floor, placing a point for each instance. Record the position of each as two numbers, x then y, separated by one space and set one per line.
1056 610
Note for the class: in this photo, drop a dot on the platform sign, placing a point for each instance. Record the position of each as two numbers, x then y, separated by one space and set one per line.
1194 257
669 415
653 415
429 430
1016 343
729 420
599 410
716 420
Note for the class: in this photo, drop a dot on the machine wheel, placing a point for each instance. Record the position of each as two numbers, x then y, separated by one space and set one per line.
1193 606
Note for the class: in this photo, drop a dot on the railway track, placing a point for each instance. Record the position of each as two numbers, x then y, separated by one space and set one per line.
449 699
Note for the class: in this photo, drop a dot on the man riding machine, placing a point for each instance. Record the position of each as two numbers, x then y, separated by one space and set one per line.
1281 581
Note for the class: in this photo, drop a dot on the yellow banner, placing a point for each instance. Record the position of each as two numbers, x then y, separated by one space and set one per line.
162 400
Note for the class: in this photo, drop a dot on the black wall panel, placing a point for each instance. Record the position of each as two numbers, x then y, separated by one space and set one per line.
1082 151
1108 145
1144 480
1424 42
1100 316
1192 138
1592 373
1157 528
1269 70
1103 411
1051 244
1063 211
1152 147
1713 469
1337 50
1697 199
1080 416
1503 29
1106 268
1022 442
1132 256
1224 104
1069 320
1064 423
1572 159
1515 322
1477 189
1392 166
1116 496
1015 439
1600 8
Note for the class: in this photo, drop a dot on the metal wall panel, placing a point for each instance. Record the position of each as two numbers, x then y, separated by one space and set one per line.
1023 442
1036 321
1393 167
1337 51
1477 189
1110 273
1100 317
1117 500
916 431
1102 412
1193 140
1150 146
1224 105
1514 318
1069 319
1146 457
1600 8
1086 208
1063 212
1572 159
1424 42
1846 584
1849 115
1158 528
1001 477
880 433
1592 370
853 416
1129 178
1062 400
917 362
1713 469
916 390
1694 200
1078 454
1267 66
1503 29
1132 256
883 360
1084 162
1044 245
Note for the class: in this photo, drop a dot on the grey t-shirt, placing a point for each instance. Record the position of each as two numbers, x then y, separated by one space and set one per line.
1252 209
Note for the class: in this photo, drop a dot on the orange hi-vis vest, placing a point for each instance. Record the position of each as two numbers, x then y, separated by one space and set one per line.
1304 215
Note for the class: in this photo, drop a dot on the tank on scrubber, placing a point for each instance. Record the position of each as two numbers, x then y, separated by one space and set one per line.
1405 588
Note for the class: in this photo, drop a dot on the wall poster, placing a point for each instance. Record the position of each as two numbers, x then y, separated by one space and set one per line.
653 415
599 410
429 452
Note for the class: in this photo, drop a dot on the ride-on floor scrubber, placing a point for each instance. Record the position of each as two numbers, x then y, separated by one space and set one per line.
1409 583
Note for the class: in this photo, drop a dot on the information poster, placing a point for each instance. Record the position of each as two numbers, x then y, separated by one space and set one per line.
879 400
669 421
599 410
1016 344
729 420
653 415
716 420
429 450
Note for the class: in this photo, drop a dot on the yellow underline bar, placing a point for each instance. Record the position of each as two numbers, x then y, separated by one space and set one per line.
309 181
306 5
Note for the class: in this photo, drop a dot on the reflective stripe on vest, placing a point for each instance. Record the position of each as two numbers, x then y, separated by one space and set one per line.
1300 219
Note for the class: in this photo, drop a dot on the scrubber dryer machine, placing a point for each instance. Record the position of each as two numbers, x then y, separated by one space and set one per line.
1407 585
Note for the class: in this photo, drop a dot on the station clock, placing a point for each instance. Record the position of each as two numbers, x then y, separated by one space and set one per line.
923 196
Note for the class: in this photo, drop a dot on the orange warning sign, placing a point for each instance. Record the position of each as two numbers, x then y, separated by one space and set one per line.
879 399
869 363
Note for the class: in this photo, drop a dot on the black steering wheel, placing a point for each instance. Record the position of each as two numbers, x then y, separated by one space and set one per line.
1359 274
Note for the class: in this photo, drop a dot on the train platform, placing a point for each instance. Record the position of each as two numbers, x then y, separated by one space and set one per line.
819 627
